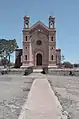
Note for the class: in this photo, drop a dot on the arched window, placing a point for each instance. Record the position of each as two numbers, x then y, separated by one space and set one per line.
52 48
38 42
52 38
52 57
25 57
26 38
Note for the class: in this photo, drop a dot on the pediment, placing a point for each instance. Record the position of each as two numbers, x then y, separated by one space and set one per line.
40 26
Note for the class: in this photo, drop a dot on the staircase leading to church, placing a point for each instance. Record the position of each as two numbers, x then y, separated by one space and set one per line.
37 70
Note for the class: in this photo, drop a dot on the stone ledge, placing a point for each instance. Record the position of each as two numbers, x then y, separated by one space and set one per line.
64 72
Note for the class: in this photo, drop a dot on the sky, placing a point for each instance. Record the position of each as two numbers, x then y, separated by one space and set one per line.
67 22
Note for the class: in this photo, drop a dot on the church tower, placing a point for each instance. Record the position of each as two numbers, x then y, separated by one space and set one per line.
52 41
26 55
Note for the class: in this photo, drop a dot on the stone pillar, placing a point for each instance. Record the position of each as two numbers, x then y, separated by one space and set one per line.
30 55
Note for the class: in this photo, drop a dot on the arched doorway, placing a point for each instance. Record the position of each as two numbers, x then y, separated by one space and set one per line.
39 59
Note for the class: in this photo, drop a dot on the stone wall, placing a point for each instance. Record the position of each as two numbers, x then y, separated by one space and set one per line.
64 72
29 70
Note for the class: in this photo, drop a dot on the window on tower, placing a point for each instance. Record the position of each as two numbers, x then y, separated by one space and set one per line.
25 57
26 38
52 38
52 57
52 48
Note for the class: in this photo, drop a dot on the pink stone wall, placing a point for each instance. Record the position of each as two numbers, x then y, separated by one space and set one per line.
42 49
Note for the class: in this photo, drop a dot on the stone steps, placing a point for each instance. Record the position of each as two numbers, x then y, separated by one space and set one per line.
37 70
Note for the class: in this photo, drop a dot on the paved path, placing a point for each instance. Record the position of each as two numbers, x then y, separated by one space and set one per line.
41 102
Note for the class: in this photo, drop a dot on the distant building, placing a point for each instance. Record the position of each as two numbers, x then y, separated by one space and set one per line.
39 44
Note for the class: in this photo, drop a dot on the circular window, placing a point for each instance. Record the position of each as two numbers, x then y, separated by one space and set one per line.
38 42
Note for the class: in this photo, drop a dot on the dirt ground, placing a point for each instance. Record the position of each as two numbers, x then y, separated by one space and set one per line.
14 91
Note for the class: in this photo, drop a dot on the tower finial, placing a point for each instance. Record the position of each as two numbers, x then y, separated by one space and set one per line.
26 21
51 22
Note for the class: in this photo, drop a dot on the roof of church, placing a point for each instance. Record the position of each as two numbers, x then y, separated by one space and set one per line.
39 23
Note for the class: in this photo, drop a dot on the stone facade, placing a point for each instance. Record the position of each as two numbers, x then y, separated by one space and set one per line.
39 44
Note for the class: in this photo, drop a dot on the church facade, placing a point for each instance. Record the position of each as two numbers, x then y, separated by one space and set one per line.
39 44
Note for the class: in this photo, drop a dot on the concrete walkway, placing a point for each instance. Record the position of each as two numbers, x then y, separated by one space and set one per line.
41 102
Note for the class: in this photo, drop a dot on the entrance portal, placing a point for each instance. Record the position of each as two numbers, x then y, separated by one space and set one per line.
39 59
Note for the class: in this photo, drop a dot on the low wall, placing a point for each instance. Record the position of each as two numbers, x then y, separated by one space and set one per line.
64 72
60 72
14 71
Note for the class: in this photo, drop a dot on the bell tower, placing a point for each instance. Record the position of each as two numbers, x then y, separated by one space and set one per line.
26 21
52 41
51 22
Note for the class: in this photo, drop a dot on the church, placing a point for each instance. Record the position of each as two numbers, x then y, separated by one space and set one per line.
39 45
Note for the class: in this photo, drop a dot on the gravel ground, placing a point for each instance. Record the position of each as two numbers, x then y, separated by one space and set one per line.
67 91
14 91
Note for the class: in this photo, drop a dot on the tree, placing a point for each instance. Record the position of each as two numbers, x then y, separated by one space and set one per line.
76 65
67 65
4 62
7 47
62 58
